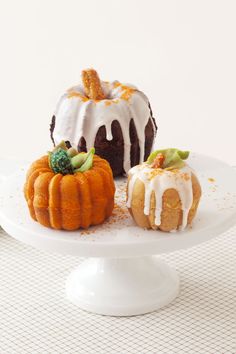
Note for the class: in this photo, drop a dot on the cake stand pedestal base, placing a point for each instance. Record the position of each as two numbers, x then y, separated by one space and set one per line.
122 286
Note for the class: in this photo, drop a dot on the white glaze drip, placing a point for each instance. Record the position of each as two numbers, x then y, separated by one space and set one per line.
76 118
181 181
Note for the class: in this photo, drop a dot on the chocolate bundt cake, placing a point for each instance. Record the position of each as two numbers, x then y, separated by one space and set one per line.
114 118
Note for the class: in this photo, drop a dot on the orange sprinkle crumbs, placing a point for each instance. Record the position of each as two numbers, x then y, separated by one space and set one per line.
92 85
155 172
86 232
186 176
109 102
212 180
116 84
77 94
119 213
125 87
158 171
128 92
174 170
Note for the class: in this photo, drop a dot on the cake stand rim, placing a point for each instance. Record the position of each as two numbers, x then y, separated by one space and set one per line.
115 250
103 250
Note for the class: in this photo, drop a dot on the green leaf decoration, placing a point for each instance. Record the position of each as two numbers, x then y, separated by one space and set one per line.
78 160
69 161
88 163
174 158
72 152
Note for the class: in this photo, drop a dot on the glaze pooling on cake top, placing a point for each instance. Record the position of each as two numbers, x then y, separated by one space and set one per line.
78 115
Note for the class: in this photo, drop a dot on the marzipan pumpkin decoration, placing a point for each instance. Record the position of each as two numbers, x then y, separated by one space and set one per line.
163 192
70 190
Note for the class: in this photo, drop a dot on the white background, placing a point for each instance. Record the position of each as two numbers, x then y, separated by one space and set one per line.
180 53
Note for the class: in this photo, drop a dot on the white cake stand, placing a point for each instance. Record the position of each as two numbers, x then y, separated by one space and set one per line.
121 276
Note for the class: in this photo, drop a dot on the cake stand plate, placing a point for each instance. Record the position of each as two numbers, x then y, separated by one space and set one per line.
122 275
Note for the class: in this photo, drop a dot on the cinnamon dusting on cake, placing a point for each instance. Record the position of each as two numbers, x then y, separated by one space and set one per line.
92 85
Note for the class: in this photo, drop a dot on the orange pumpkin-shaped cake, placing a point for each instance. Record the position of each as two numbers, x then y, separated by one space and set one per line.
70 190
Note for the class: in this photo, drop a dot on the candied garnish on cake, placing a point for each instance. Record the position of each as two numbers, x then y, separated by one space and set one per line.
92 85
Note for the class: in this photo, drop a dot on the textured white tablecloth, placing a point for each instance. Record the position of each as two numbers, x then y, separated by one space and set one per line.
36 318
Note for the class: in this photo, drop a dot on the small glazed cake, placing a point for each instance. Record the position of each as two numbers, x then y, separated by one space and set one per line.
69 190
164 192
114 118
